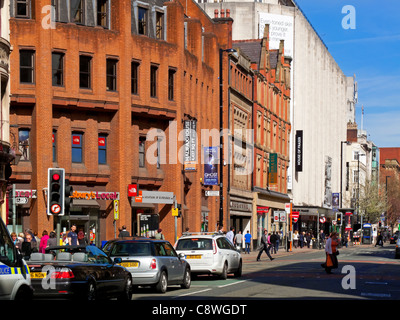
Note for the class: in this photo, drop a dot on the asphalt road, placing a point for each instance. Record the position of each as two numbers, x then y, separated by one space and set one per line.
365 273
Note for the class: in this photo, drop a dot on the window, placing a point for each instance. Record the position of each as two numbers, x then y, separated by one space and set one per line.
102 149
112 74
159 25
171 78
27 66
77 12
135 77
142 20
57 65
77 155
22 9
8 253
54 141
85 63
142 141
23 138
102 13
153 81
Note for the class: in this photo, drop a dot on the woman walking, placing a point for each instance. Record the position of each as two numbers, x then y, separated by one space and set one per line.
331 253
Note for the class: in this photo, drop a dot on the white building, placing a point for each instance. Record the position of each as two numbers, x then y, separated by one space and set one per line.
320 92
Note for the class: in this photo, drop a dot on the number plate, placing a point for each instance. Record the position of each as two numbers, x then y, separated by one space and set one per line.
193 257
130 264
38 275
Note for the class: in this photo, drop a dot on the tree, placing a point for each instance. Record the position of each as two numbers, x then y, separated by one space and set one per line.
373 201
393 195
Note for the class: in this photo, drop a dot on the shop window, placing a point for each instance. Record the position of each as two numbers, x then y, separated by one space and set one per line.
102 144
23 138
112 74
57 69
85 63
77 143
135 77
27 66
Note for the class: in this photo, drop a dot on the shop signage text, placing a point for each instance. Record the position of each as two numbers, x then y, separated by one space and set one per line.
95 195
26 194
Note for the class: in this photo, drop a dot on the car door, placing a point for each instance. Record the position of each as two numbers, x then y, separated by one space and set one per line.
175 262
230 253
164 260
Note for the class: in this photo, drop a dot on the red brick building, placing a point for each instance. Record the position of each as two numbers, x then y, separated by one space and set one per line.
271 124
105 92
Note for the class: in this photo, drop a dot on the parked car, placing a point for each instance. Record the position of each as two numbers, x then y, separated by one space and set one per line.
397 250
210 254
151 262
83 272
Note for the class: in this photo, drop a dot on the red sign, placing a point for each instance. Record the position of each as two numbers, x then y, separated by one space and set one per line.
133 190
102 141
322 219
295 215
261 210
76 140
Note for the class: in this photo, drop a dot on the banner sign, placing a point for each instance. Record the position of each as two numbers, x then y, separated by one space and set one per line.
273 168
190 146
299 151
210 166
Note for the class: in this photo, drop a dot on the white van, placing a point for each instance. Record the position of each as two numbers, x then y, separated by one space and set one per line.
15 278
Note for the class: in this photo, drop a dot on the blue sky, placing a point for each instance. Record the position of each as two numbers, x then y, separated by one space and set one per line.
371 51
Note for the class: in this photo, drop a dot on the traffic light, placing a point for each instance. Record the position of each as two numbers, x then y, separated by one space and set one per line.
68 190
338 218
56 192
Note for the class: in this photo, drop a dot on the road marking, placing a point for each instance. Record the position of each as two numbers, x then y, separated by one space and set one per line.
376 283
190 293
230 284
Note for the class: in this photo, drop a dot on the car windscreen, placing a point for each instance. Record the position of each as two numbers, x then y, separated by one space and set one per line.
194 244
130 249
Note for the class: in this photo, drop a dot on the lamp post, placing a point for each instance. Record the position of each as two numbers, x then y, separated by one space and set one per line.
221 138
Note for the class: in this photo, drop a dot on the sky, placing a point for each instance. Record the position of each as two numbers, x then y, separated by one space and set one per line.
370 50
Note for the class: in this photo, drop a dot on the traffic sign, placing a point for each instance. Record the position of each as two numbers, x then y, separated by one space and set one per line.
322 220
55 208
295 215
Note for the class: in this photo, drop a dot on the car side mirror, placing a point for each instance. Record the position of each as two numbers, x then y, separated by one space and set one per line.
182 256
117 260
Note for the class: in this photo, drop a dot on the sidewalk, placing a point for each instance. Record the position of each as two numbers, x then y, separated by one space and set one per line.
252 257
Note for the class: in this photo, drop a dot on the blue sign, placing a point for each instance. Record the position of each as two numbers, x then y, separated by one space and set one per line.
211 166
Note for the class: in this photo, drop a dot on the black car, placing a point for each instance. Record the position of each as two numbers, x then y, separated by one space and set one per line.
151 262
83 272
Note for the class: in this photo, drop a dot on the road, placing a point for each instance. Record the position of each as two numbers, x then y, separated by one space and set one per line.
365 273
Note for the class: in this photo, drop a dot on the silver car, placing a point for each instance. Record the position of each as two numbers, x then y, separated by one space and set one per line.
151 262
210 254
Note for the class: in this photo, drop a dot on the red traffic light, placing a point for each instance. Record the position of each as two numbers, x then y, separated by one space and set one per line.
56 176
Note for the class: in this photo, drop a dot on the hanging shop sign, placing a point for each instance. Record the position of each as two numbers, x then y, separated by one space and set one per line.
133 190
273 168
95 195
299 151
190 146
210 166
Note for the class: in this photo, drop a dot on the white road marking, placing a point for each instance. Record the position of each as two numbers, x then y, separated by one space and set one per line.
231 284
191 293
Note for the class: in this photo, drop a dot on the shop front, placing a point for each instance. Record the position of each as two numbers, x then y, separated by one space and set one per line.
240 214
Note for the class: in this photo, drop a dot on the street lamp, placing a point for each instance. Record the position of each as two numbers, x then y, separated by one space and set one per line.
221 125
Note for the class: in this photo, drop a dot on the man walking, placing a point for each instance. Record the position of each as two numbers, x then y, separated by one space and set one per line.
247 242
265 246
230 234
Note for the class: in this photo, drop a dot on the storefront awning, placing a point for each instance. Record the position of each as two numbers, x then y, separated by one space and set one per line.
91 203
142 205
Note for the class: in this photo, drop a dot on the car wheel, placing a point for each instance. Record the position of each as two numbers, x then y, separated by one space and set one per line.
24 294
126 295
162 284
238 272
187 280
91 293
224 274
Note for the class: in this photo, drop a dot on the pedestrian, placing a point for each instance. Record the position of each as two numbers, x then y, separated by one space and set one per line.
159 235
81 238
308 239
272 240
124 232
331 253
379 240
72 236
265 247
230 234
238 241
43 242
321 239
247 242
28 246
278 240
52 241
296 239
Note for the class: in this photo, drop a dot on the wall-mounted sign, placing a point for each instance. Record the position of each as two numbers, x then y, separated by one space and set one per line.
210 166
155 197
190 146
95 195
273 168
299 151
133 190
26 194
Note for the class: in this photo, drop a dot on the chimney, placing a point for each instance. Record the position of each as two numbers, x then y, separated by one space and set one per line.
228 13
216 13
222 13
